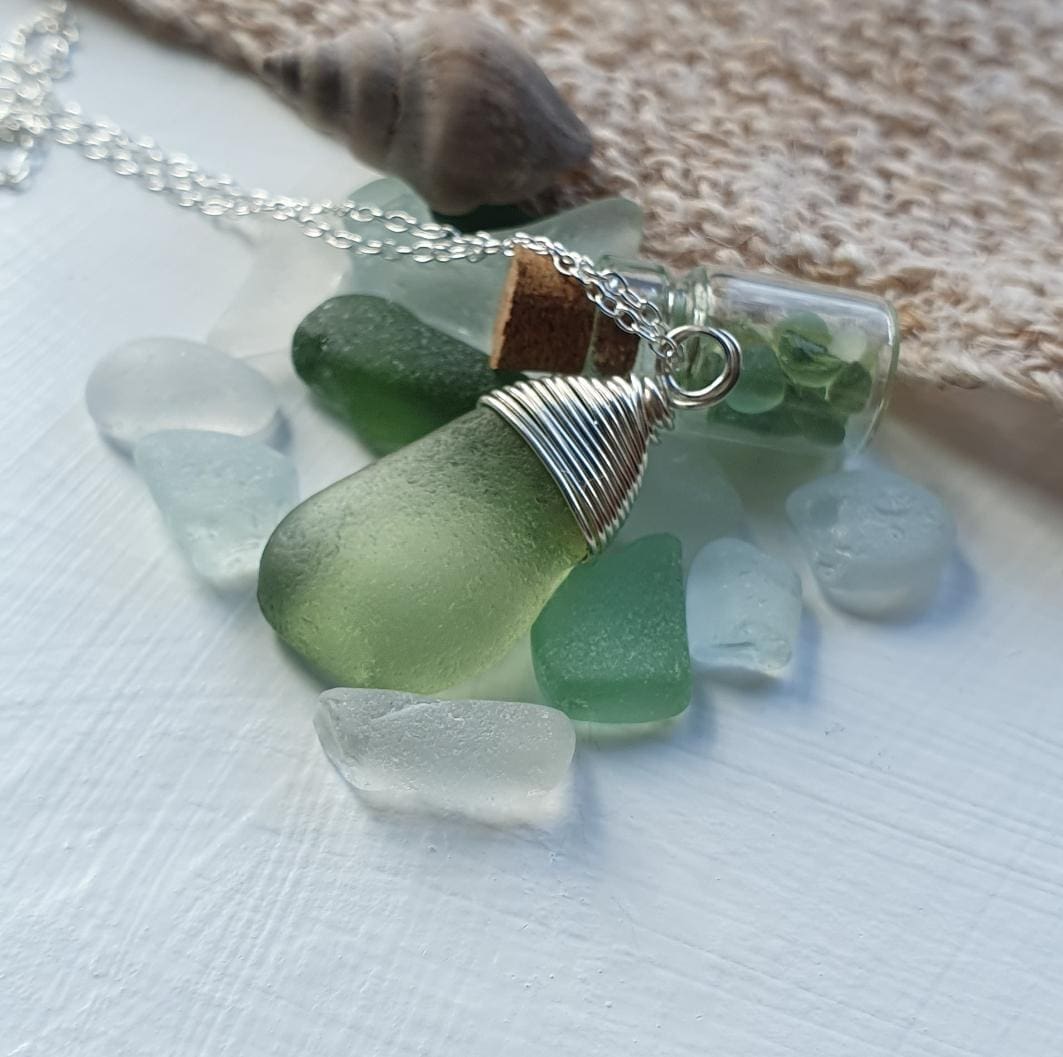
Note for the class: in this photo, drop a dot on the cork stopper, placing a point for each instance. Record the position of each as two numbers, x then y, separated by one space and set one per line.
546 323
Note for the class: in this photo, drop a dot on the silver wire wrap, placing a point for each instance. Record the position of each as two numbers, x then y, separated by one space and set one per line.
593 436
38 55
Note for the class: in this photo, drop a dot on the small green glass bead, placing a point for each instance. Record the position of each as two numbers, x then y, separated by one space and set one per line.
762 384
850 389
777 421
424 568
802 341
806 325
393 378
815 419
803 414
850 344
611 645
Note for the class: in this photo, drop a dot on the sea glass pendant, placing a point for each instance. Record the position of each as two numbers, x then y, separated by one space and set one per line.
424 568
817 361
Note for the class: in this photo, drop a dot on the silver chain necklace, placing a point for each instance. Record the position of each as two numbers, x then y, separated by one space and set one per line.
38 55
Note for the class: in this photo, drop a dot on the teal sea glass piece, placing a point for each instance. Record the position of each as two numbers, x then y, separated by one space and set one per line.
424 568
611 645
461 298
393 378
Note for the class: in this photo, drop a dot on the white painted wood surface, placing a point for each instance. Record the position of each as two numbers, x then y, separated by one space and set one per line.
865 858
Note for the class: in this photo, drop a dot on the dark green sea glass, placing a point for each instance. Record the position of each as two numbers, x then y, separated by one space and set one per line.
850 389
393 378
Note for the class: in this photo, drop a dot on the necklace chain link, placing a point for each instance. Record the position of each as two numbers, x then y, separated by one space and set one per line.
38 55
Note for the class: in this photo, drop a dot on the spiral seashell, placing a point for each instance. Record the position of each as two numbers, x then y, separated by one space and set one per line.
448 103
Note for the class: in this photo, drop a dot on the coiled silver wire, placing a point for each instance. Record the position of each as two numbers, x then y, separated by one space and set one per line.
593 436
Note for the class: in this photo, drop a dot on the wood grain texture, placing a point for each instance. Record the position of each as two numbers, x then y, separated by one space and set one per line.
863 858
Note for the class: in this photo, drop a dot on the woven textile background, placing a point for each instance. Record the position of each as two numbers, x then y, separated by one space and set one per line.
909 147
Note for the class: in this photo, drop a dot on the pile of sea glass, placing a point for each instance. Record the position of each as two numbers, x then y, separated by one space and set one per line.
396 350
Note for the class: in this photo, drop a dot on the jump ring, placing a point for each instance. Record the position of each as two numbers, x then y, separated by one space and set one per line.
720 386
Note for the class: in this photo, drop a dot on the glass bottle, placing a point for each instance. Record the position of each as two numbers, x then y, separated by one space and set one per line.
817 361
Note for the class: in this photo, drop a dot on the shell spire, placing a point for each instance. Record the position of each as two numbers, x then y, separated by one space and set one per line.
593 436
448 103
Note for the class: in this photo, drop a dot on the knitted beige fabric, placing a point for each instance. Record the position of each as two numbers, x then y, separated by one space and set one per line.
909 147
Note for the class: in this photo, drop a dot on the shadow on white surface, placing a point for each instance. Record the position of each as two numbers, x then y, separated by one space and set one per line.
692 728
1019 440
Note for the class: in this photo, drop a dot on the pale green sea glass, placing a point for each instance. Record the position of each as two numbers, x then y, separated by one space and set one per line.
461 298
743 608
611 645
451 753
425 567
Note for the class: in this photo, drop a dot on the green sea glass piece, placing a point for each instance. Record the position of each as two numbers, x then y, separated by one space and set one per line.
611 645
488 217
461 299
850 389
762 383
815 418
776 422
802 341
806 325
390 376
424 568
803 414
850 344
